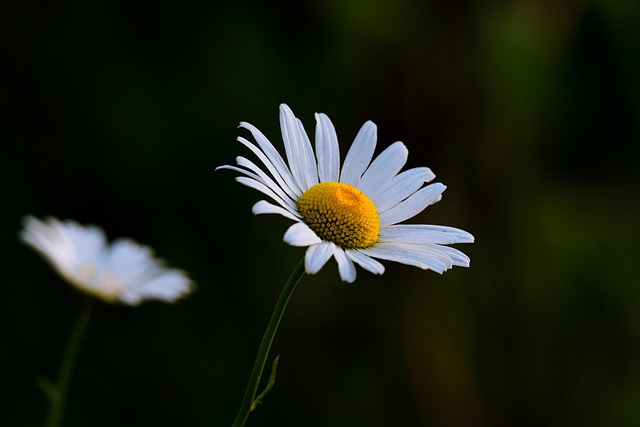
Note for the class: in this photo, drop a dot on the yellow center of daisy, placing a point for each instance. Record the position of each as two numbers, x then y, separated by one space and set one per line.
105 286
341 214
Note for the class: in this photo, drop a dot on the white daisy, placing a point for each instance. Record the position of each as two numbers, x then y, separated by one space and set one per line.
123 272
353 213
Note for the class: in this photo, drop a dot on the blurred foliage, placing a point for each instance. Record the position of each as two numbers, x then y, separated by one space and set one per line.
117 113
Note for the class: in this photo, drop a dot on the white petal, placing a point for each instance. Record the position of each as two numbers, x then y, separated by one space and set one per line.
253 171
264 207
64 245
250 182
345 266
168 287
360 154
411 255
280 173
434 258
458 257
299 234
272 155
130 262
365 262
383 168
45 239
317 256
327 149
298 148
400 187
264 178
424 233
311 170
412 206
87 242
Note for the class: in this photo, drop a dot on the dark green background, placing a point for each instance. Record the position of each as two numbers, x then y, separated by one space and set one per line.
116 113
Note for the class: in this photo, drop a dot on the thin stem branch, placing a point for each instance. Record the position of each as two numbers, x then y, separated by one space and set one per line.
269 386
57 392
249 401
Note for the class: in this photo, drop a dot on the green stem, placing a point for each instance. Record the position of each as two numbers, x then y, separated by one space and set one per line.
249 401
57 393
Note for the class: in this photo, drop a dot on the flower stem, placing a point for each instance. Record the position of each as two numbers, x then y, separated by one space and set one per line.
249 402
57 393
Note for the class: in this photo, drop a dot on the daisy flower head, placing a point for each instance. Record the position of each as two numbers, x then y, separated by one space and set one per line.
351 213
123 272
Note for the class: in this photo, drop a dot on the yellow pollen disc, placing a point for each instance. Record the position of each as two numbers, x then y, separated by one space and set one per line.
341 214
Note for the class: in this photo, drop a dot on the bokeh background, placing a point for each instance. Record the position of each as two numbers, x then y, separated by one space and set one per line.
116 113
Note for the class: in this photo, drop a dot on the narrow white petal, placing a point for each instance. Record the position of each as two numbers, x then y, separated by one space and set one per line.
267 187
365 262
383 168
436 259
130 262
444 254
345 266
400 187
242 171
360 154
299 234
262 177
280 173
264 207
399 258
412 206
422 257
46 239
327 149
310 164
257 185
88 241
458 257
297 148
168 286
424 233
130 298
271 153
317 256
64 245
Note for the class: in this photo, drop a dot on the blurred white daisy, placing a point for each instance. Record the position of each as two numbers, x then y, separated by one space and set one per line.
123 272
353 213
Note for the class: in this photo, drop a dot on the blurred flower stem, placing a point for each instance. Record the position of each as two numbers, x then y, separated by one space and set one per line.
57 393
250 401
